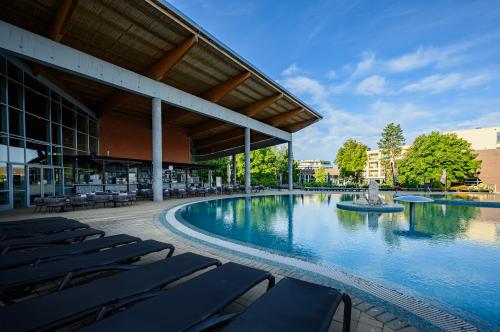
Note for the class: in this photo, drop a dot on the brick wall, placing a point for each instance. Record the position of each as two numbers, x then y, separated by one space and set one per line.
129 137
490 167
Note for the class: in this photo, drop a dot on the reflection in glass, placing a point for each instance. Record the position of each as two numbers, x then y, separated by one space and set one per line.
15 94
82 123
36 104
37 153
3 148
68 117
15 122
48 182
58 181
37 128
35 183
82 142
18 186
4 183
68 137
16 151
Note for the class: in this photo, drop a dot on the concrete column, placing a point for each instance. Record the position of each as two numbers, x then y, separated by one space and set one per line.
290 165
157 150
233 157
247 161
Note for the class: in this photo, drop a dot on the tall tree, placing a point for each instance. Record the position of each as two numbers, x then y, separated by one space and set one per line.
391 144
320 175
351 159
219 166
430 154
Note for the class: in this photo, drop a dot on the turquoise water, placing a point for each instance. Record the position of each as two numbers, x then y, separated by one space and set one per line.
450 255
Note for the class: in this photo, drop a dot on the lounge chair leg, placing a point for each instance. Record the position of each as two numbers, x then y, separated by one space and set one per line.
346 325
271 283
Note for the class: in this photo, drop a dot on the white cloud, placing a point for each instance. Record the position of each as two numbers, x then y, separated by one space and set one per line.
443 82
366 63
290 70
332 74
373 85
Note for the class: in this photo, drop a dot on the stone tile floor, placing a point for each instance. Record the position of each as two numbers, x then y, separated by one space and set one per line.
139 220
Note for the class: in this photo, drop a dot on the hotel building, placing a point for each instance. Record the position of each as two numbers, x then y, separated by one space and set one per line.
116 95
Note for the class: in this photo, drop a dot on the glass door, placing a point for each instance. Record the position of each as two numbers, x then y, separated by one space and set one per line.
48 181
58 181
4 187
34 183
18 186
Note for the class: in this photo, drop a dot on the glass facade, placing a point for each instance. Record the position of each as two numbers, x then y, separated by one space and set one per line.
39 130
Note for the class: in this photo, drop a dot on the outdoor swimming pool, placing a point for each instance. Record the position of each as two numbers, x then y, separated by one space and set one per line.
450 255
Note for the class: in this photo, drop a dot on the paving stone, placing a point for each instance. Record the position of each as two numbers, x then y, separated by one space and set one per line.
364 306
362 327
397 324
408 329
355 301
364 318
375 311
386 317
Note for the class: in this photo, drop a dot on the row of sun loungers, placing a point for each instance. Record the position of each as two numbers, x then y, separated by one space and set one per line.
59 273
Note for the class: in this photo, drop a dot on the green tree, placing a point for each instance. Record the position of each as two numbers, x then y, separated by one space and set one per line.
391 144
351 159
320 175
430 154
266 165
219 166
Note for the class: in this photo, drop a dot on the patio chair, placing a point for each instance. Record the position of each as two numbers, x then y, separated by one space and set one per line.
39 204
293 306
186 305
52 204
72 304
44 240
121 198
78 201
166 193
15 281
54 252
132 197
101 199
40 228
191 191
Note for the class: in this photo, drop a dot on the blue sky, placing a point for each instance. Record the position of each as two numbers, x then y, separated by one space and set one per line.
428 65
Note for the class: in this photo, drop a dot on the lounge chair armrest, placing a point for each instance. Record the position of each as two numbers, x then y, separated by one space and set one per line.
122 303
271 280
71 275
171 250
346 325
23 246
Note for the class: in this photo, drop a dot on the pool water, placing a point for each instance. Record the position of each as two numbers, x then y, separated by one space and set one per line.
449 256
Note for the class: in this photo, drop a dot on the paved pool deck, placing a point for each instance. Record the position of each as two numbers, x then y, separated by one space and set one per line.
143 220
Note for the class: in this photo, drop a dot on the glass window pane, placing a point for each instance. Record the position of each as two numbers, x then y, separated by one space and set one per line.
3 90
55 108
58 181
3 148
18 186
37 153
93 145
68 117
82 123
56 156
14 72
36 85
4 197
3 119
2 65
68 137
15 122
37 128
15 94
69 152
55 96
36 104
93 128
16 151
4 183
56 134
82 142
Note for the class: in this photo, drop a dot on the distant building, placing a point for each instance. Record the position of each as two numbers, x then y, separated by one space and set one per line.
374 169
308 168
486 143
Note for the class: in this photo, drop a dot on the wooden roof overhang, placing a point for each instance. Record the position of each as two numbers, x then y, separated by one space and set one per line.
152 38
